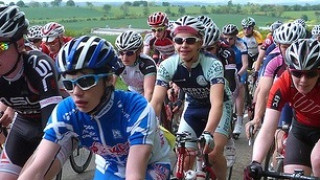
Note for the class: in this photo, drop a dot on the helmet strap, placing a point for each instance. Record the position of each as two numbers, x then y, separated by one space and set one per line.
16 64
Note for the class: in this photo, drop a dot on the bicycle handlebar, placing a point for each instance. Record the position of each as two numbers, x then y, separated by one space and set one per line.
297 175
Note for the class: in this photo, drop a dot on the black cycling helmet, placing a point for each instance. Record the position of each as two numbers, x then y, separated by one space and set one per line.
86 52
13 24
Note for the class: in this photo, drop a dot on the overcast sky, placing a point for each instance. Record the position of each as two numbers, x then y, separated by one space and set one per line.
214 1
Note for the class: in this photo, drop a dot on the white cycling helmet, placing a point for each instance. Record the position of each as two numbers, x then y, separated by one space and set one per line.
34 32
51 31
275 25
289 33
189 24
129 40
230 29
300 21
206 20
249 21
13 24
303 55
211 35
316 30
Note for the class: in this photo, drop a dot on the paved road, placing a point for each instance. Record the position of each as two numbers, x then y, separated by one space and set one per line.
243 158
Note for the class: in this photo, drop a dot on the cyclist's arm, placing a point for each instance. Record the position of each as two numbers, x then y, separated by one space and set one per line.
39 163
264 86
215 113
138 159
244 59
259 60
159 95
148 86
146 50
265 136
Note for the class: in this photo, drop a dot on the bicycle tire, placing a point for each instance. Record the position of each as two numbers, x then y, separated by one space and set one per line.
59 175
80 167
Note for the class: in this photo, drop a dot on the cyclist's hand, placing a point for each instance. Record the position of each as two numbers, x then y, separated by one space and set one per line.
209 141
177 105
253 171
7 117
255 123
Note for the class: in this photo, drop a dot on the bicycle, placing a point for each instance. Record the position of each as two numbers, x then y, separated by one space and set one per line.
79 160
203 168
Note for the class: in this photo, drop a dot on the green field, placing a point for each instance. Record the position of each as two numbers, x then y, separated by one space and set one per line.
80 20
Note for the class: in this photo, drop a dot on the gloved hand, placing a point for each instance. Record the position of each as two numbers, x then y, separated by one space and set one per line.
253 171
209 139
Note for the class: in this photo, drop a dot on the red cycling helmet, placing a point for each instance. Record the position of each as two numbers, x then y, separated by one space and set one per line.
158 19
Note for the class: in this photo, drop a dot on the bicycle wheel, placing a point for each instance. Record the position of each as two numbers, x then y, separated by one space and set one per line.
59 175
80 159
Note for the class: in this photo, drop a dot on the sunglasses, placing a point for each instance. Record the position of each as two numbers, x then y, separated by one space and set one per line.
128 53
159 29
308 74
84 82
35 41
189 40
4 46
53 43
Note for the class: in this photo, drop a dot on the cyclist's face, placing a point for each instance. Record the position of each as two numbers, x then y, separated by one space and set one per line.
54 46
304 81
86 100
187 46
283 48
128 58
158 31
248 30
230 39
8 56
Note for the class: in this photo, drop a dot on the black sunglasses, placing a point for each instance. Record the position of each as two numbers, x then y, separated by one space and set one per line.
308 74
128 53
189 40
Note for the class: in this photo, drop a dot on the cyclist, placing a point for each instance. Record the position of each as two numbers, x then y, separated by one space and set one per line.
285 35
252 37
316 32
266 44
28 85
53 38
160 41
299 86
34 38
119 126
212 44
240 49
208 106
303 23
137 70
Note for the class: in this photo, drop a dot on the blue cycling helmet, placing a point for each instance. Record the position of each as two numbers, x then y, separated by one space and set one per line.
86 52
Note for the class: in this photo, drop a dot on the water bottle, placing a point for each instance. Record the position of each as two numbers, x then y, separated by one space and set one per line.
190 175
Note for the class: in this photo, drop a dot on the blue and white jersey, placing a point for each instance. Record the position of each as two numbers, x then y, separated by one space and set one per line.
195 82
239 48
126 120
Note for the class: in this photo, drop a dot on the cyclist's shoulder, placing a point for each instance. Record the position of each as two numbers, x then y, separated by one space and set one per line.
34 58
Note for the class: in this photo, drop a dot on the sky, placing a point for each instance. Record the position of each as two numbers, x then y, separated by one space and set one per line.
213 1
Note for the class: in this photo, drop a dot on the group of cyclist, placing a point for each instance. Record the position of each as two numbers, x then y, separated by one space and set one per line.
206 65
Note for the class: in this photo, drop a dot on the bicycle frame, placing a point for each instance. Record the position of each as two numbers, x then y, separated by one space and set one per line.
202 162
297 175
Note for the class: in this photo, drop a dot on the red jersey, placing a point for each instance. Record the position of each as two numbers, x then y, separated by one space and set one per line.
306 106
267 42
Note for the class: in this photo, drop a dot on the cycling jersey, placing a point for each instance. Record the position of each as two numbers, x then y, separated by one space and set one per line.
239 48
46 50
267 42
134 75
33 93
305 106
163 46
124 121
276 66
252 42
